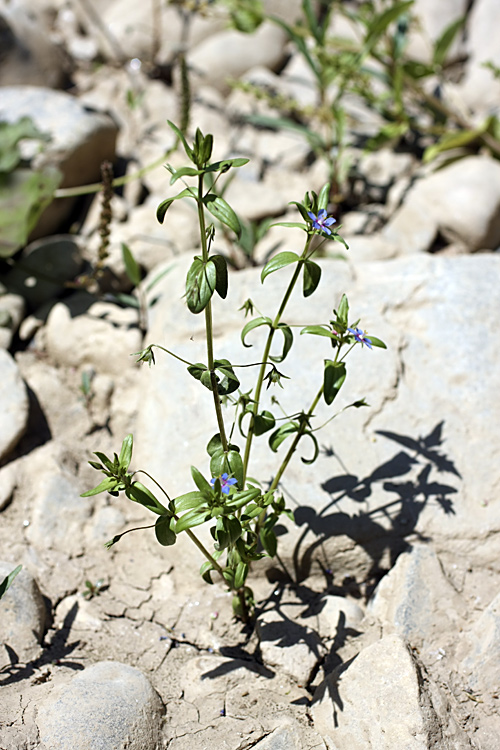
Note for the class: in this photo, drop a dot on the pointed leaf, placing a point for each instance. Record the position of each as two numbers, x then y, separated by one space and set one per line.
220 264
334 377
255 323
377 342
281 434
7 581
202 484
189 501
279 261
287 342
240 575
343 311
443 44
312 276
106 485
190 519
222 211
263 422
180 136
200 284
126 452
164 532
165 205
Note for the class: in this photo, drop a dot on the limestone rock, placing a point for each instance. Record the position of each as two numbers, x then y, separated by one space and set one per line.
461 201
22 614
80 141
380 702
416 600
107 705
14 405
104 334
479 88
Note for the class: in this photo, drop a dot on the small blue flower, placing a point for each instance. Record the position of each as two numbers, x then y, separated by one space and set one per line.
360 336
225 482
322 221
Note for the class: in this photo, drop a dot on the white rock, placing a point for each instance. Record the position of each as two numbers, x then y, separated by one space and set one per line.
461 201
338 614
14 405
103 335
479 87
379 703
433 19
229 54
416 600
22 614
107 705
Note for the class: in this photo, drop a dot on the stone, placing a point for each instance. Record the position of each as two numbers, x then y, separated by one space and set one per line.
58 514
481 644
30 57
289 645
416 600
379 701
338 614
432 21
14 404
460 201
46 264
12 308
107 705
479 87
105 334
229 54
22 614
376 172
80 140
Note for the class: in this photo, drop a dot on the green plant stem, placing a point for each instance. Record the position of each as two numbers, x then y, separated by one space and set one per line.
190 533
265 357
176 356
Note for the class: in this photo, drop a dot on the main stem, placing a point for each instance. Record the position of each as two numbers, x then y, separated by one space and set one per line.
265 357
208 322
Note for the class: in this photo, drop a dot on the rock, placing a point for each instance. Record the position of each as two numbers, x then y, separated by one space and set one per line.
46 265
22 614
229 54
432 22
416 600
107 705
460 201
14 405
29 56
105 334
479 87
376 172
380 701
289 645
338 614
59 514
11 314
289 737
481 664
80 141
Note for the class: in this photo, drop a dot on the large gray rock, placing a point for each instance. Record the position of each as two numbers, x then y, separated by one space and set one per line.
14 405
22 614
380 703
460 201
416 600
108 705
80 140
408 464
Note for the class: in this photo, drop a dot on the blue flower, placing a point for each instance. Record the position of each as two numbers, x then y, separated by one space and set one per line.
322 221
225 482
360 336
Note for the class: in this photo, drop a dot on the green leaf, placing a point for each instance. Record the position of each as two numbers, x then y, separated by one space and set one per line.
282 123
317 331
24 195
240 575
309 461
229 382
202 484
312 23
142 495
206 570
443 44
233 528
200 284
281 434
393 131
226 164
126 452
287 342
220 264
453 140
205 151
312 276
131 265
106 485
7 581
334 377
214 444
165 205
222 211
188 501
377 342
184 172
279 261
323 197
10 135
380 23
163 531
291 224
191 519
343 311
269 540
255 323
300 44
180 136
263 422
235 467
